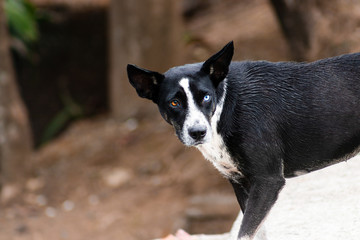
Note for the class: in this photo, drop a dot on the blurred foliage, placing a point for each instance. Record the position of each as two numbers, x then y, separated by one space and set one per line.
22 20
71 111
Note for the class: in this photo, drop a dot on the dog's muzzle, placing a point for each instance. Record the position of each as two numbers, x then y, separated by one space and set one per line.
197 133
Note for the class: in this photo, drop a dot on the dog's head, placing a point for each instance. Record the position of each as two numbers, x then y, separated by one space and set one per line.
186 95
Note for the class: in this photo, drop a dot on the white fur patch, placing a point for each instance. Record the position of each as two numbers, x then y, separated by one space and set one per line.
194 117
245 238
215 150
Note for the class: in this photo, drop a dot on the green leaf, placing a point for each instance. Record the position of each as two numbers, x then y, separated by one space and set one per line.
71 111
21 17
56 124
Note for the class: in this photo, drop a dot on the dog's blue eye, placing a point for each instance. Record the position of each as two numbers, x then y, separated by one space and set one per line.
206 98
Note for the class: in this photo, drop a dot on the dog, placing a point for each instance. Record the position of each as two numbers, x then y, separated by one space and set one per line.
260 122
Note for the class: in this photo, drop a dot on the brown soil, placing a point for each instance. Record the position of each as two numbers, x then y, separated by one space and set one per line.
102 180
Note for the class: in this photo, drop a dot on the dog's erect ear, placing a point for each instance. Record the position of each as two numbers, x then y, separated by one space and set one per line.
144 81
217 66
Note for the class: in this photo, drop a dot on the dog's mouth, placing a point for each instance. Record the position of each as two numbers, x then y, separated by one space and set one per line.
194 143
197 143
191 144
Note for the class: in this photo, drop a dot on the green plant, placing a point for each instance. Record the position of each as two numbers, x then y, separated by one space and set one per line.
71 111
22 20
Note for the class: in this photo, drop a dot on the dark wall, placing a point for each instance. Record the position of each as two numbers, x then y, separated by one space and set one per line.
68 65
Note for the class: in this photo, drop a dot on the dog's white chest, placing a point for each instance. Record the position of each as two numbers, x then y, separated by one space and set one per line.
216 152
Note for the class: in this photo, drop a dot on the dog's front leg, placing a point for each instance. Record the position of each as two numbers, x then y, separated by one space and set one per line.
242 189
262 196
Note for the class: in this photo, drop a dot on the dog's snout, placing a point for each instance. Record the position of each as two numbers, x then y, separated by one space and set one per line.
197 133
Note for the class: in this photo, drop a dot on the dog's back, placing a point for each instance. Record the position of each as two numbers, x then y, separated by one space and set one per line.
311 108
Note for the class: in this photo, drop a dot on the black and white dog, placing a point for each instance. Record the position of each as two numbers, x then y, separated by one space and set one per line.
259 122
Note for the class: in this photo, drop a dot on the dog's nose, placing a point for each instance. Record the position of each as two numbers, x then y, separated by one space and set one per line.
197 133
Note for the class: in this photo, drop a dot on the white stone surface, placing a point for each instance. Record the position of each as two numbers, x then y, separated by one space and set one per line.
321 205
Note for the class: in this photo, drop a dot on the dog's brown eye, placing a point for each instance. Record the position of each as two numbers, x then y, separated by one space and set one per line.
175 103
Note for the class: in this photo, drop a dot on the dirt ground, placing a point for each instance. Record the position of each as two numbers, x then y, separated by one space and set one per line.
105 180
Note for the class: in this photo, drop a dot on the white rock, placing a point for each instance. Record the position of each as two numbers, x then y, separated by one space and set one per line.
50 212
116 177
41 200
68 205
9 191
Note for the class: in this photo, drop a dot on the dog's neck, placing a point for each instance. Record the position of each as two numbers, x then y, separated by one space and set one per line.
216 151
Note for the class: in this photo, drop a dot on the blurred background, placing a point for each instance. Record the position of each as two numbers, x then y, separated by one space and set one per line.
81 156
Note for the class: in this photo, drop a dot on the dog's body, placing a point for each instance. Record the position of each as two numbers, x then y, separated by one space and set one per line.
260 122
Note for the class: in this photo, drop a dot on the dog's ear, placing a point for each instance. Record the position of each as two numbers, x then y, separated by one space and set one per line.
217 66
144 81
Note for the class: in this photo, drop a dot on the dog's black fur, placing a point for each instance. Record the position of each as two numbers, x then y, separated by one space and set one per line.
278 119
